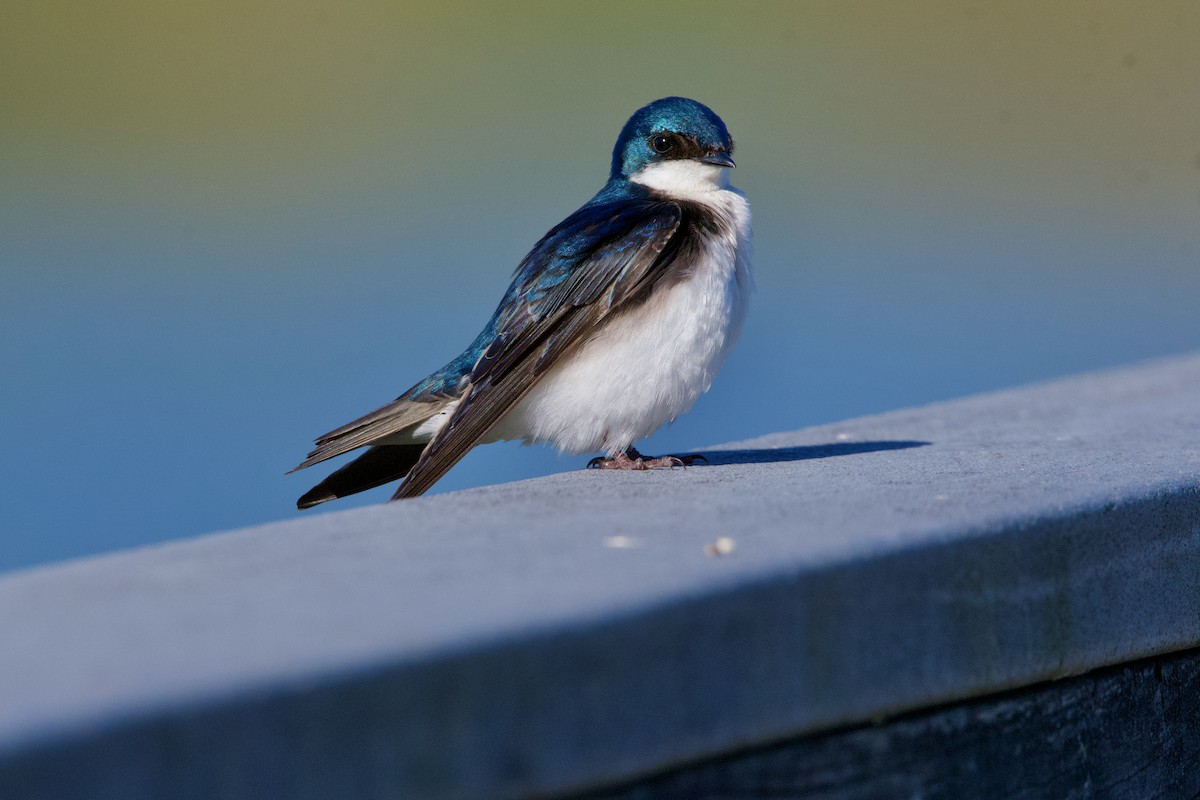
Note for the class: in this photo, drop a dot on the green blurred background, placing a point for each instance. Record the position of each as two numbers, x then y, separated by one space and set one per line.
227 227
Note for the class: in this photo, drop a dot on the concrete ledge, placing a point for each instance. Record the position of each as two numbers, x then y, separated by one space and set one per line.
573 631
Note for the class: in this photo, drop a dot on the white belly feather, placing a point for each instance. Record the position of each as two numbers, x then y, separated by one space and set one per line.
649 365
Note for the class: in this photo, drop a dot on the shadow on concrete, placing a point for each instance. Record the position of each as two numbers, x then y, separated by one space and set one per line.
776 454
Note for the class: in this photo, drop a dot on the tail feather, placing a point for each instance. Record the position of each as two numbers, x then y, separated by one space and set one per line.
378 465
379 424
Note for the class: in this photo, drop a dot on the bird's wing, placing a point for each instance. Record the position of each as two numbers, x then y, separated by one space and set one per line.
599 261
405 412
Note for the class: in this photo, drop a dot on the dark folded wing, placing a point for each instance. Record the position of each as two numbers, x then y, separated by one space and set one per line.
597 262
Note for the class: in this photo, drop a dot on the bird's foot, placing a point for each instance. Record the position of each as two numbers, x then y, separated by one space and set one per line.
632 459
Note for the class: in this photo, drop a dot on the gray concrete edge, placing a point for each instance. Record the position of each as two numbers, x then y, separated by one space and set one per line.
567 709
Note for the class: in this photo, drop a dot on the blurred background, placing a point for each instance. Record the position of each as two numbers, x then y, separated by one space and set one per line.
226 227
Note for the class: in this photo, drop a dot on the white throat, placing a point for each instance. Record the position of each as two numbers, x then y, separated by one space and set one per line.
684 179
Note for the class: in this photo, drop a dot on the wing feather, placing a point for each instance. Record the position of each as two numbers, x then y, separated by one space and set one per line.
577 277
393 418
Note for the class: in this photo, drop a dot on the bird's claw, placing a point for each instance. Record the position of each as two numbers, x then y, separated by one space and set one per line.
633 460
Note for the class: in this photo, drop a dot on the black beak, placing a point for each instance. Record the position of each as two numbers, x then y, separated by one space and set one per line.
720 158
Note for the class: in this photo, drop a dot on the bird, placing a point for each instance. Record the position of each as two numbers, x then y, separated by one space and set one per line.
614 324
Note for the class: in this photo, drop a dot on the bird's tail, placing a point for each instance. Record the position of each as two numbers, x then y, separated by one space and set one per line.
378 465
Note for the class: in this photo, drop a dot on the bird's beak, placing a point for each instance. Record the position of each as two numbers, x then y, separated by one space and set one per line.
718 157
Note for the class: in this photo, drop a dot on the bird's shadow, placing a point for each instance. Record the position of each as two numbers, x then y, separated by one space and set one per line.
769 455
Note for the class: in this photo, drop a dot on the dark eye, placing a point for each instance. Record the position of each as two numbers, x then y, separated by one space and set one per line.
662 144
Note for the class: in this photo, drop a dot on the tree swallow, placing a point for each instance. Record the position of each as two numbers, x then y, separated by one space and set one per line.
616 321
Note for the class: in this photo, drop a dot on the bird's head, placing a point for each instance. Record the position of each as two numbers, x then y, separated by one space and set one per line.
670 141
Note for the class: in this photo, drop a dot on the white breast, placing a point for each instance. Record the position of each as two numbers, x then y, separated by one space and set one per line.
649 365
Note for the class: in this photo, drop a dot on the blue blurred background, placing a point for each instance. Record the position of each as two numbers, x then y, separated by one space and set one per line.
226 228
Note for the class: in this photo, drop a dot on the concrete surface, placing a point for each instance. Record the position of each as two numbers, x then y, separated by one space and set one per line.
574 630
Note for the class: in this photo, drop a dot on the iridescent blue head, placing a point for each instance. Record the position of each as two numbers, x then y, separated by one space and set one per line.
669 129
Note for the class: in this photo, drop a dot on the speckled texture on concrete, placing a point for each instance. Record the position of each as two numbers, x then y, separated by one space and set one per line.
555 633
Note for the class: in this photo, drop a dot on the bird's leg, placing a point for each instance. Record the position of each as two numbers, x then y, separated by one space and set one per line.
632 459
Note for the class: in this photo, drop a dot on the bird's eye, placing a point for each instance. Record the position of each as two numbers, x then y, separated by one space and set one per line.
662 144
